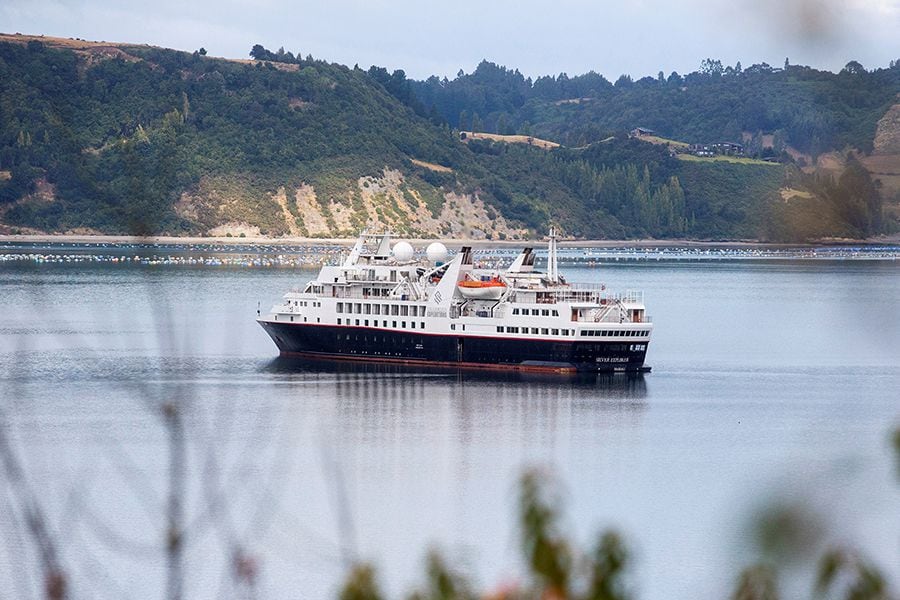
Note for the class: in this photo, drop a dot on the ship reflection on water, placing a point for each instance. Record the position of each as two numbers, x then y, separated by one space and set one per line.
381 404
622 386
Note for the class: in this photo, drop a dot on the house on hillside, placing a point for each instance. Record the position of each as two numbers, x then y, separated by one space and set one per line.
640 132
700 150
716 148
728 148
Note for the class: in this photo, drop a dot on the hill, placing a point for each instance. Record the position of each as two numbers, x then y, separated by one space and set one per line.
813 111
121 138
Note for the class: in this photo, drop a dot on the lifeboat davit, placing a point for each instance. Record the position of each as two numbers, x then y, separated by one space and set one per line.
488 289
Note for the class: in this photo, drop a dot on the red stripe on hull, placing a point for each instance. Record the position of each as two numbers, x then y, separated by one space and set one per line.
432 363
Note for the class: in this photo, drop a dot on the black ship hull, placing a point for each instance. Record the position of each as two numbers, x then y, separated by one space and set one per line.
466 351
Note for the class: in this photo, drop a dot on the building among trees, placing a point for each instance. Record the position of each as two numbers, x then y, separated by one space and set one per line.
641 132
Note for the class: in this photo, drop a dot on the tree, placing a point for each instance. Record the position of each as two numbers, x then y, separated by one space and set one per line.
464 123
858 198
711 67
202 51
854 68
477 125
732 131
623 81
502 127
434 116
258 52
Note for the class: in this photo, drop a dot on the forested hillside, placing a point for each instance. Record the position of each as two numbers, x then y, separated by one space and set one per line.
107 138
813 111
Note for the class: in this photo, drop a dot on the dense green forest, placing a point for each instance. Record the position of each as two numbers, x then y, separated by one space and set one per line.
135 139
814 111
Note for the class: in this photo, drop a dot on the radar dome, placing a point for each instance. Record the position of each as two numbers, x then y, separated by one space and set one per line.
436 252
403 252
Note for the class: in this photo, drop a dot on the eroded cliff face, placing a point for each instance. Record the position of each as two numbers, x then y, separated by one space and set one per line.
389 201
887 134
884 162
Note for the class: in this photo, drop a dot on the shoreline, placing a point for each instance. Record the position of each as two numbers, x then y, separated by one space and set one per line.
453 243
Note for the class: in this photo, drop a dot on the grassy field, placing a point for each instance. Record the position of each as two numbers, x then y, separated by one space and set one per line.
788 194
431 166
90 46
56 42
512 139
653 139
742 160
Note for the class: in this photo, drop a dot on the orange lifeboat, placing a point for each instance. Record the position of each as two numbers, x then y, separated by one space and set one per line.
482 289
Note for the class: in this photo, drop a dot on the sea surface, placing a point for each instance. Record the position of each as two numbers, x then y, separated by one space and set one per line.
775 383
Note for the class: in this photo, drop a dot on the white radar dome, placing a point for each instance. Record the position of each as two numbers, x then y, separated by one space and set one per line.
403 252
436 252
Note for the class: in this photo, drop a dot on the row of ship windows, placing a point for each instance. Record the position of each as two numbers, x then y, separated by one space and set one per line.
587 347
611 333
365 323
305 303
535 312
536 330
392 341
396 310
318 319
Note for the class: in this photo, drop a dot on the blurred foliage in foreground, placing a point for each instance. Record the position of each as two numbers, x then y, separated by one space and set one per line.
786 537
557 568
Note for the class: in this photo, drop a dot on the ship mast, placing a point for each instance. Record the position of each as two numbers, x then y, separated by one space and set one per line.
552 269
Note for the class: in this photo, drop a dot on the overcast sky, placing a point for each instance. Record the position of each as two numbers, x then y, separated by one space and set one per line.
638 37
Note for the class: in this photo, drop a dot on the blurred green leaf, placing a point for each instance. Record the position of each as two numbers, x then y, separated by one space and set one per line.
846 575
443 582
547 553
361 584
757 583
787 532
607 568
897 448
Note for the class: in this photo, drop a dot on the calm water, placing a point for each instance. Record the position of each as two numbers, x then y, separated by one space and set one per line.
771 381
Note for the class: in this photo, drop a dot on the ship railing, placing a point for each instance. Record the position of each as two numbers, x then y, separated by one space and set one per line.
358 294
595 294
362 278
354 294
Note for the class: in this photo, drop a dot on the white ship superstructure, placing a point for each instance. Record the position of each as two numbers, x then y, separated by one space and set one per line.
381 304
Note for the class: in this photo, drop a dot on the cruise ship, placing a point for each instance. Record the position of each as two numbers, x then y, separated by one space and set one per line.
381 304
